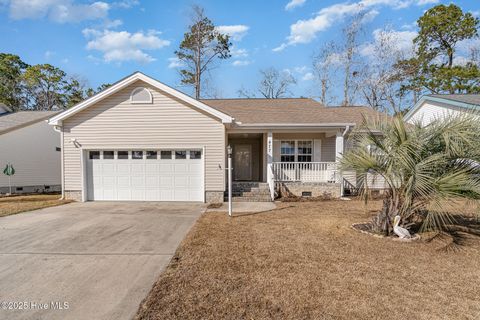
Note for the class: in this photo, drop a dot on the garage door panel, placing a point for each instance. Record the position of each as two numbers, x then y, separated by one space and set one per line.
152 181
144 179
123 182
109 182
137 182
166 168
108 168
123 168
151 168
166 181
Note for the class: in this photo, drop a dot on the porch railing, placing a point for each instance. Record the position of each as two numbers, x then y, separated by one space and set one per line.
305 171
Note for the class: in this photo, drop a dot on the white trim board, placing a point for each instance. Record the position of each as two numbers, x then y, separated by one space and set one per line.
57 120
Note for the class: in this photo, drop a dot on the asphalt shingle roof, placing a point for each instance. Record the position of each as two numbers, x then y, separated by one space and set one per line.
15 120
473 99
289 111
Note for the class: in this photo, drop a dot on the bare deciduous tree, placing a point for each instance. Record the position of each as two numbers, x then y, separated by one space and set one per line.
351 32
380 85
325 64
274 84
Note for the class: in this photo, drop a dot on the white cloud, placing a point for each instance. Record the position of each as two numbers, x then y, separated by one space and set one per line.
294 3
236 32
305 31
303 72
110 24
308 76
238 52
174 63
126 4
60 11
241 63
123 45
425 2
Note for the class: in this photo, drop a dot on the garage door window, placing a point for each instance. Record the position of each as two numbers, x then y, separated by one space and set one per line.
151 155
195 154
136 155
122 155
108 155
166 155
93 155
180 155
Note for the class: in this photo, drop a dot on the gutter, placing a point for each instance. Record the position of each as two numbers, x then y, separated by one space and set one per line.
294 125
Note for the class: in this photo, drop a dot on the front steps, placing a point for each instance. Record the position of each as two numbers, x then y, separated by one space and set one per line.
249 192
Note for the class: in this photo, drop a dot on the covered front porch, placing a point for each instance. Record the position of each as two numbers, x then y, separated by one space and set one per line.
306 161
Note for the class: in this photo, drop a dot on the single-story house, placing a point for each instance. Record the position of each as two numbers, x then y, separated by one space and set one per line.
436 106
143 140
30 145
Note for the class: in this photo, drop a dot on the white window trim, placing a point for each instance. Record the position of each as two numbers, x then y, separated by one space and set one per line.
296 154
150 100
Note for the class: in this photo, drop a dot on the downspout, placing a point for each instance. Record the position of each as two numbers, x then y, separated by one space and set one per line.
342 191
60 129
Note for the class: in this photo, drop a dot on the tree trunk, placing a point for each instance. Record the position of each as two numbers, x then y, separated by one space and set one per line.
324 91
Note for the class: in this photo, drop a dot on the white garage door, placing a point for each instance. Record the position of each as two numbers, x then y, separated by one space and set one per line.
145 175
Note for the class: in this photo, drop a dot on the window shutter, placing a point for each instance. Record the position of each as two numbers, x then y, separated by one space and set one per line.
276 150
317 150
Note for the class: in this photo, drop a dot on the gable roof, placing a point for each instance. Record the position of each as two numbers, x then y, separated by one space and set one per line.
465 101
293 111
57 120
17 120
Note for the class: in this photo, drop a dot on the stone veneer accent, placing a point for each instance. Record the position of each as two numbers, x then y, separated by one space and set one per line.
73 195
214 196
318 189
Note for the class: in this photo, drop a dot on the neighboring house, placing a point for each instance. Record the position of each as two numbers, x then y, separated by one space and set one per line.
33 148
436 106
142 140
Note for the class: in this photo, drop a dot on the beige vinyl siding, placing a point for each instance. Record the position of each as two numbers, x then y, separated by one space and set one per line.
430 111
31 151
166 123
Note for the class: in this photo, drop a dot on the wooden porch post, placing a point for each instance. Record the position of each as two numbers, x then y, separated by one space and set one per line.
339 147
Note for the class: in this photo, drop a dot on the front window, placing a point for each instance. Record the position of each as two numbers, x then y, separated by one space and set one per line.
304 151
287 151
296 151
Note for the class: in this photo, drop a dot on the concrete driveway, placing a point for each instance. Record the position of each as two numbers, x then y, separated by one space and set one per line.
94 260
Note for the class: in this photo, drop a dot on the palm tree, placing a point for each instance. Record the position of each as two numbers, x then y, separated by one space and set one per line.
424 168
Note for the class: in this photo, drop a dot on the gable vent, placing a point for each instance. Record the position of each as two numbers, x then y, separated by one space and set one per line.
141 95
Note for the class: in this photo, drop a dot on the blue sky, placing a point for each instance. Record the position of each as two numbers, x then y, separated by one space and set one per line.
103 41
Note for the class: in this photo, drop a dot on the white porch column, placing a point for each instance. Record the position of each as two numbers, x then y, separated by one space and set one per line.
339 140
338 146
269 147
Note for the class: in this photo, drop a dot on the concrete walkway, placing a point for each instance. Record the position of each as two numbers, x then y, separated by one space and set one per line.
94 260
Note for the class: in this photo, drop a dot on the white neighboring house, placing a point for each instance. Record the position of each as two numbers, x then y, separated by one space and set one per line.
436 106
33 148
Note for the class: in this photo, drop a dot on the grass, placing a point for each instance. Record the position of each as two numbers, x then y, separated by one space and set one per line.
17 204
303 261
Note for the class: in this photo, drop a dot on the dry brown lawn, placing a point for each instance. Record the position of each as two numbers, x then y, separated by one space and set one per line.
303 261
17 204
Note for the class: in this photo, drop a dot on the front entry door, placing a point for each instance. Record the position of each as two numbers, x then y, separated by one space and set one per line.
243 162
